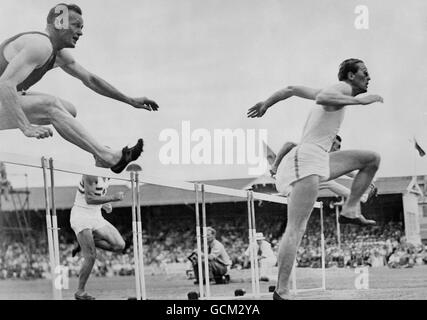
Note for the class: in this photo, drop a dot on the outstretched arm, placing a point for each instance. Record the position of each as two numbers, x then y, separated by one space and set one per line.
340 95
99 85
286 148
299 91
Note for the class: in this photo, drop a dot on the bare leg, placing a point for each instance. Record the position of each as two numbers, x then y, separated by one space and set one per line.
342 162
108 238
85 239
42 109
336 188
301 202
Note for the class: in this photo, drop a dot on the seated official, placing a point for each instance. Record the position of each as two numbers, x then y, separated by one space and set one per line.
218 259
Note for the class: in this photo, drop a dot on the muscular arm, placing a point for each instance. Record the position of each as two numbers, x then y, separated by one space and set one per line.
92 81
28 57
290 91
286 148
90 192
99 85
340 95
299 91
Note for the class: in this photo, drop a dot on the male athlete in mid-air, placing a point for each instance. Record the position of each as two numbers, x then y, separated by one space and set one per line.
26 57
332 185
305 166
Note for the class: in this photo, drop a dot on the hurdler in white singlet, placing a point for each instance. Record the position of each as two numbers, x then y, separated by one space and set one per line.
101 189
322 126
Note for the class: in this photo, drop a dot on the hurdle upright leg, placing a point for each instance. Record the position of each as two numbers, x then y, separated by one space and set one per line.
205 243
55 230
251 243
140 245
199 242
134 238
57 295
257 286
322 243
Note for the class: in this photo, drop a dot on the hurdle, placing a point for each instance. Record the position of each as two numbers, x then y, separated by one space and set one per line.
138 252
51 217
52 228
250 198
199 242
252 253
252 245
135 180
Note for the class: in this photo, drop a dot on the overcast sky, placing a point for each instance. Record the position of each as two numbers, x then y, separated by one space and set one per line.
208 61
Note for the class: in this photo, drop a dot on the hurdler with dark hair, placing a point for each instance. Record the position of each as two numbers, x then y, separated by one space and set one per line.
310 163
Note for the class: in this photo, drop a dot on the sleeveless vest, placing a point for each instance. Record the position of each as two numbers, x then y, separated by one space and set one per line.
34 76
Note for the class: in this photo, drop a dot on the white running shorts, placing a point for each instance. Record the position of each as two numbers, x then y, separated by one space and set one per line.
86 218
302 161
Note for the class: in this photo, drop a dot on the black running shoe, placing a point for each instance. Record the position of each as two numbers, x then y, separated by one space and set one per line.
128 155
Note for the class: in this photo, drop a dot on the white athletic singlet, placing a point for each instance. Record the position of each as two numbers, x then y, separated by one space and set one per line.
101 189
322 126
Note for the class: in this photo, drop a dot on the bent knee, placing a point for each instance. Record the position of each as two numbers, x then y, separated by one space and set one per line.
119 246
374 159
70 108
55 105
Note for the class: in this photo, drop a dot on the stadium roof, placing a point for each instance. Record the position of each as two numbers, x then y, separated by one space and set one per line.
154 195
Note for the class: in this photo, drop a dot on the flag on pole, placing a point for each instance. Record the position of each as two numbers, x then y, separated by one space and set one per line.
419 149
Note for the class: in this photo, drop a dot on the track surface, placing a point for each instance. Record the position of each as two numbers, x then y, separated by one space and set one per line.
384 284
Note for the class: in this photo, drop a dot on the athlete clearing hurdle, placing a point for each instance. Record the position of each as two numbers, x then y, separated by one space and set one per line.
310 163
90 227
26 57
332 185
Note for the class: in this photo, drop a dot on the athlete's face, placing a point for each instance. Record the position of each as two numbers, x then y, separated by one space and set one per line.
360 79
210 236
71 33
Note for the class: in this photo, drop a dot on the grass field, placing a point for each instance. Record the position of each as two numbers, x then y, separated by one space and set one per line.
384 284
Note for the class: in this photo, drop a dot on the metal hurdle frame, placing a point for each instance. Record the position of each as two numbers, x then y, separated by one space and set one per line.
199 242
251 242
51 217
251 196
135 239
252 245
140 253
52 228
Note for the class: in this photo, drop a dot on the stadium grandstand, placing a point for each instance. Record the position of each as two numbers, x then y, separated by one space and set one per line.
169 228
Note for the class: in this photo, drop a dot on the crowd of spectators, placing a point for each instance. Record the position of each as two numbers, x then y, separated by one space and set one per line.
174 241
382 245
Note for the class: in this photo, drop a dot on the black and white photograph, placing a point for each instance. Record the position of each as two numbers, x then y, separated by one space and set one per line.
232 151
